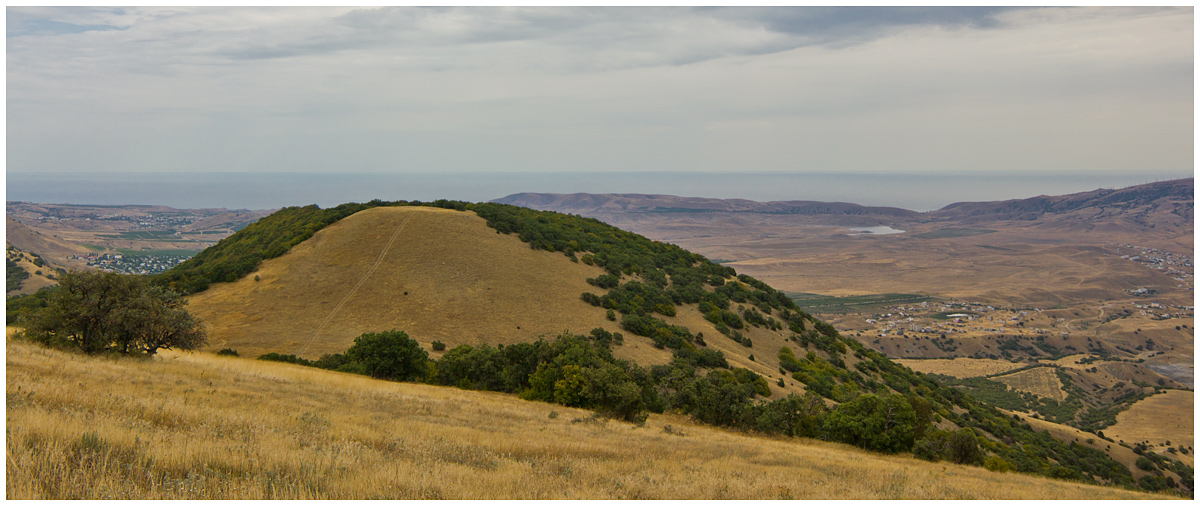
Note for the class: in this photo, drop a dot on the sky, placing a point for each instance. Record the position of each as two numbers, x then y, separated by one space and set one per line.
444 90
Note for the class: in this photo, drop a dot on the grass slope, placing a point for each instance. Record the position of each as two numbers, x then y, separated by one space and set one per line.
437 274
199 426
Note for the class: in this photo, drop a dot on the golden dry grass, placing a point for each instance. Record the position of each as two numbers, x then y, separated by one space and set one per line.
446 277
35 281
959 367
1040 381
199 426
1169 416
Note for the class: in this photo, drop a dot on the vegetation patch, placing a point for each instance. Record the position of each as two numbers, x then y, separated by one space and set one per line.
951 232
853 303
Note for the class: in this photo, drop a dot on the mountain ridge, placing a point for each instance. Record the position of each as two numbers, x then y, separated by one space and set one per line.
1012 209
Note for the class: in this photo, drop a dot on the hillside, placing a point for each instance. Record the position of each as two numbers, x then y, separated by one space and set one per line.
199 426
48 247
27 272
357 262
439 275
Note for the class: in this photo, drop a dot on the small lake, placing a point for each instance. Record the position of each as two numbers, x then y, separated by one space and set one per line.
875 231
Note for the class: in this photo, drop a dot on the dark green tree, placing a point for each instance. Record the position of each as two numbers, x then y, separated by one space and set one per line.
389 355
99 311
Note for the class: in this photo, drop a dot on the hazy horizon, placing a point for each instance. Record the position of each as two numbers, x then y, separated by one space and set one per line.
917 192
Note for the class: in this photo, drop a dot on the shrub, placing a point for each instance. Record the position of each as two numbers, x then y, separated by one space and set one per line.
438 346
389 355
228 352
997 464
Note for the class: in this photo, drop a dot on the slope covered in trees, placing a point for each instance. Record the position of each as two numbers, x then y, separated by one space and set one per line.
665 295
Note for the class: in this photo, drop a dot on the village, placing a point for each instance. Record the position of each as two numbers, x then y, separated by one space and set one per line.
132 264
1178 267
957 317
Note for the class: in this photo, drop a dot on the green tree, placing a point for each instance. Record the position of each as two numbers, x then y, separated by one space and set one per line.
389 355
99 311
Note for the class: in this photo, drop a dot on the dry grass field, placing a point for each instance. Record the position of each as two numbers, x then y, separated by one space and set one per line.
1040 381
199 426
437 274
959 367
1168 416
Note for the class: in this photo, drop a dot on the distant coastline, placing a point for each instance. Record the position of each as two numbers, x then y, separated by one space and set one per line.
917 192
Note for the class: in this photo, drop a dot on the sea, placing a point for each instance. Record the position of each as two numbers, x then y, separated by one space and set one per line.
232 190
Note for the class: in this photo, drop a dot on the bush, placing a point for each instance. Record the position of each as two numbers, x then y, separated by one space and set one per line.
997 464
228 352
876 422
438 346
389 355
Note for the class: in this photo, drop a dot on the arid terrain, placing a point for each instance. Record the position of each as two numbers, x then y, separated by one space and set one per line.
1070 312
971 290
184 426
148 239
439 275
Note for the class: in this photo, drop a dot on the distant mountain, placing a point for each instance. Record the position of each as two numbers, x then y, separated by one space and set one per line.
1174 197
607 203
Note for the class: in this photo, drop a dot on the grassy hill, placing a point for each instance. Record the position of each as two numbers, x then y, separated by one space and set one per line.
699 340
201 426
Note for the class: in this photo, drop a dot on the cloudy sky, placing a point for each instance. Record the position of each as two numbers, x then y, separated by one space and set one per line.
956 90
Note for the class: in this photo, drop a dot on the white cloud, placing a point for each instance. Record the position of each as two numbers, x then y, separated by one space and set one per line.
594 89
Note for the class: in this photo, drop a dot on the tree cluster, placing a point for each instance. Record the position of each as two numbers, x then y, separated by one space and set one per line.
99 311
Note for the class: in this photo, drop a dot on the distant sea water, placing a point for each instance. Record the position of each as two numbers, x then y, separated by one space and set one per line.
918 192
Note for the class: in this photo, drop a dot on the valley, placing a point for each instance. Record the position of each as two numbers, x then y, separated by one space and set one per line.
132 239
1097 287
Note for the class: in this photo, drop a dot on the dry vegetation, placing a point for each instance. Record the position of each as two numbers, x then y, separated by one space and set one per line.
960 367
1157 419
439 275
1040 381
446 277
199 426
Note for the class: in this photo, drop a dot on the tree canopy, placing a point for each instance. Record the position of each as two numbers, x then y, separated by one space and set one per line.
103 311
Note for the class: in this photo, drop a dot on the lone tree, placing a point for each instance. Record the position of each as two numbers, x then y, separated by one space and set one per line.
102 311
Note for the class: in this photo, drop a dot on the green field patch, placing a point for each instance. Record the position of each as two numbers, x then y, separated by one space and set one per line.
954 232
157 252
997 248
854 303
93 247
144 235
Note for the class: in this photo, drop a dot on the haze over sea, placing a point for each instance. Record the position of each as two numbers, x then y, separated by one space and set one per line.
918 192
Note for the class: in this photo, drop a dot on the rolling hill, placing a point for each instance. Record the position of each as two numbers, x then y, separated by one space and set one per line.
478 275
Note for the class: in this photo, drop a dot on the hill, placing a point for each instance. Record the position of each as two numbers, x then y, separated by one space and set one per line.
48 247
1175 197
200 426
692 326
